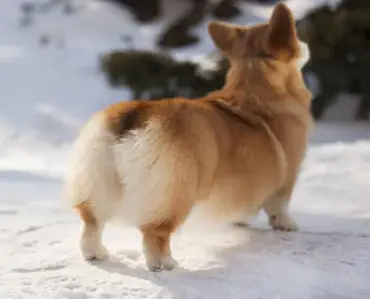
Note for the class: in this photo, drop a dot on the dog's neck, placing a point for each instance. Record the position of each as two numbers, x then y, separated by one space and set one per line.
265 89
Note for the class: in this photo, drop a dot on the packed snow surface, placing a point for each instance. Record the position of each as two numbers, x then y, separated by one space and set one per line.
48 92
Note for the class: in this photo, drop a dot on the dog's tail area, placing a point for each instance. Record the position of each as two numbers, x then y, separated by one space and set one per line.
135 165
158 172
91 171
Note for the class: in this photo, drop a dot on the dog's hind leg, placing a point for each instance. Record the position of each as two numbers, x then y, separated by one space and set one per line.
93 187
157 238
91 238
156 245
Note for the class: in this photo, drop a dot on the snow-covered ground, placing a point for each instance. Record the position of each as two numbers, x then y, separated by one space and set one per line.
45 96
328 259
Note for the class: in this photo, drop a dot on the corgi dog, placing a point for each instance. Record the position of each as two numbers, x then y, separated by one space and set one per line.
238 150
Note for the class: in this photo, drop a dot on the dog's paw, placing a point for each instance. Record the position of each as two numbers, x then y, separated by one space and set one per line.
154 267
283 223
168 263
153 262
92 252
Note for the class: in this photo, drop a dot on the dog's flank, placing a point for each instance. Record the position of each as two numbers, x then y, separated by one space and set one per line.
237 150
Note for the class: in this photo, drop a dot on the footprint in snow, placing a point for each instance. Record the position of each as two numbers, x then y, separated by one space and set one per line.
51 267
8 212
130 254
29 229
29 244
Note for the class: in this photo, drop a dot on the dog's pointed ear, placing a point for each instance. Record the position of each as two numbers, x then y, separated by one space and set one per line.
282 35
223 35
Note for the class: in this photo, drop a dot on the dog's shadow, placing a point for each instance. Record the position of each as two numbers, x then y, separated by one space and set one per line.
232 269
289 263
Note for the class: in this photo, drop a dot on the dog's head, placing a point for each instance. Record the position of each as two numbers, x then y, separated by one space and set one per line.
277 39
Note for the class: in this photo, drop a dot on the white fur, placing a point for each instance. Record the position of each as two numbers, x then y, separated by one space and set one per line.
142 163
304 55
91 168
283 222
168 263
148 169
92 247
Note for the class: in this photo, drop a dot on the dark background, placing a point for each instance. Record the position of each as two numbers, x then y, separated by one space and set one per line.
339 40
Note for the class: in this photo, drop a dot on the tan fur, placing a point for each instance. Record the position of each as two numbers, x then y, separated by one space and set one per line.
236 150
86 213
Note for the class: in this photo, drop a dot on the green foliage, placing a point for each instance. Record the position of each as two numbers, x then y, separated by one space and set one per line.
153 75
339 41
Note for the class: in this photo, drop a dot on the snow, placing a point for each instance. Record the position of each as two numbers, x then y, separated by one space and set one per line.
48 92
328 258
